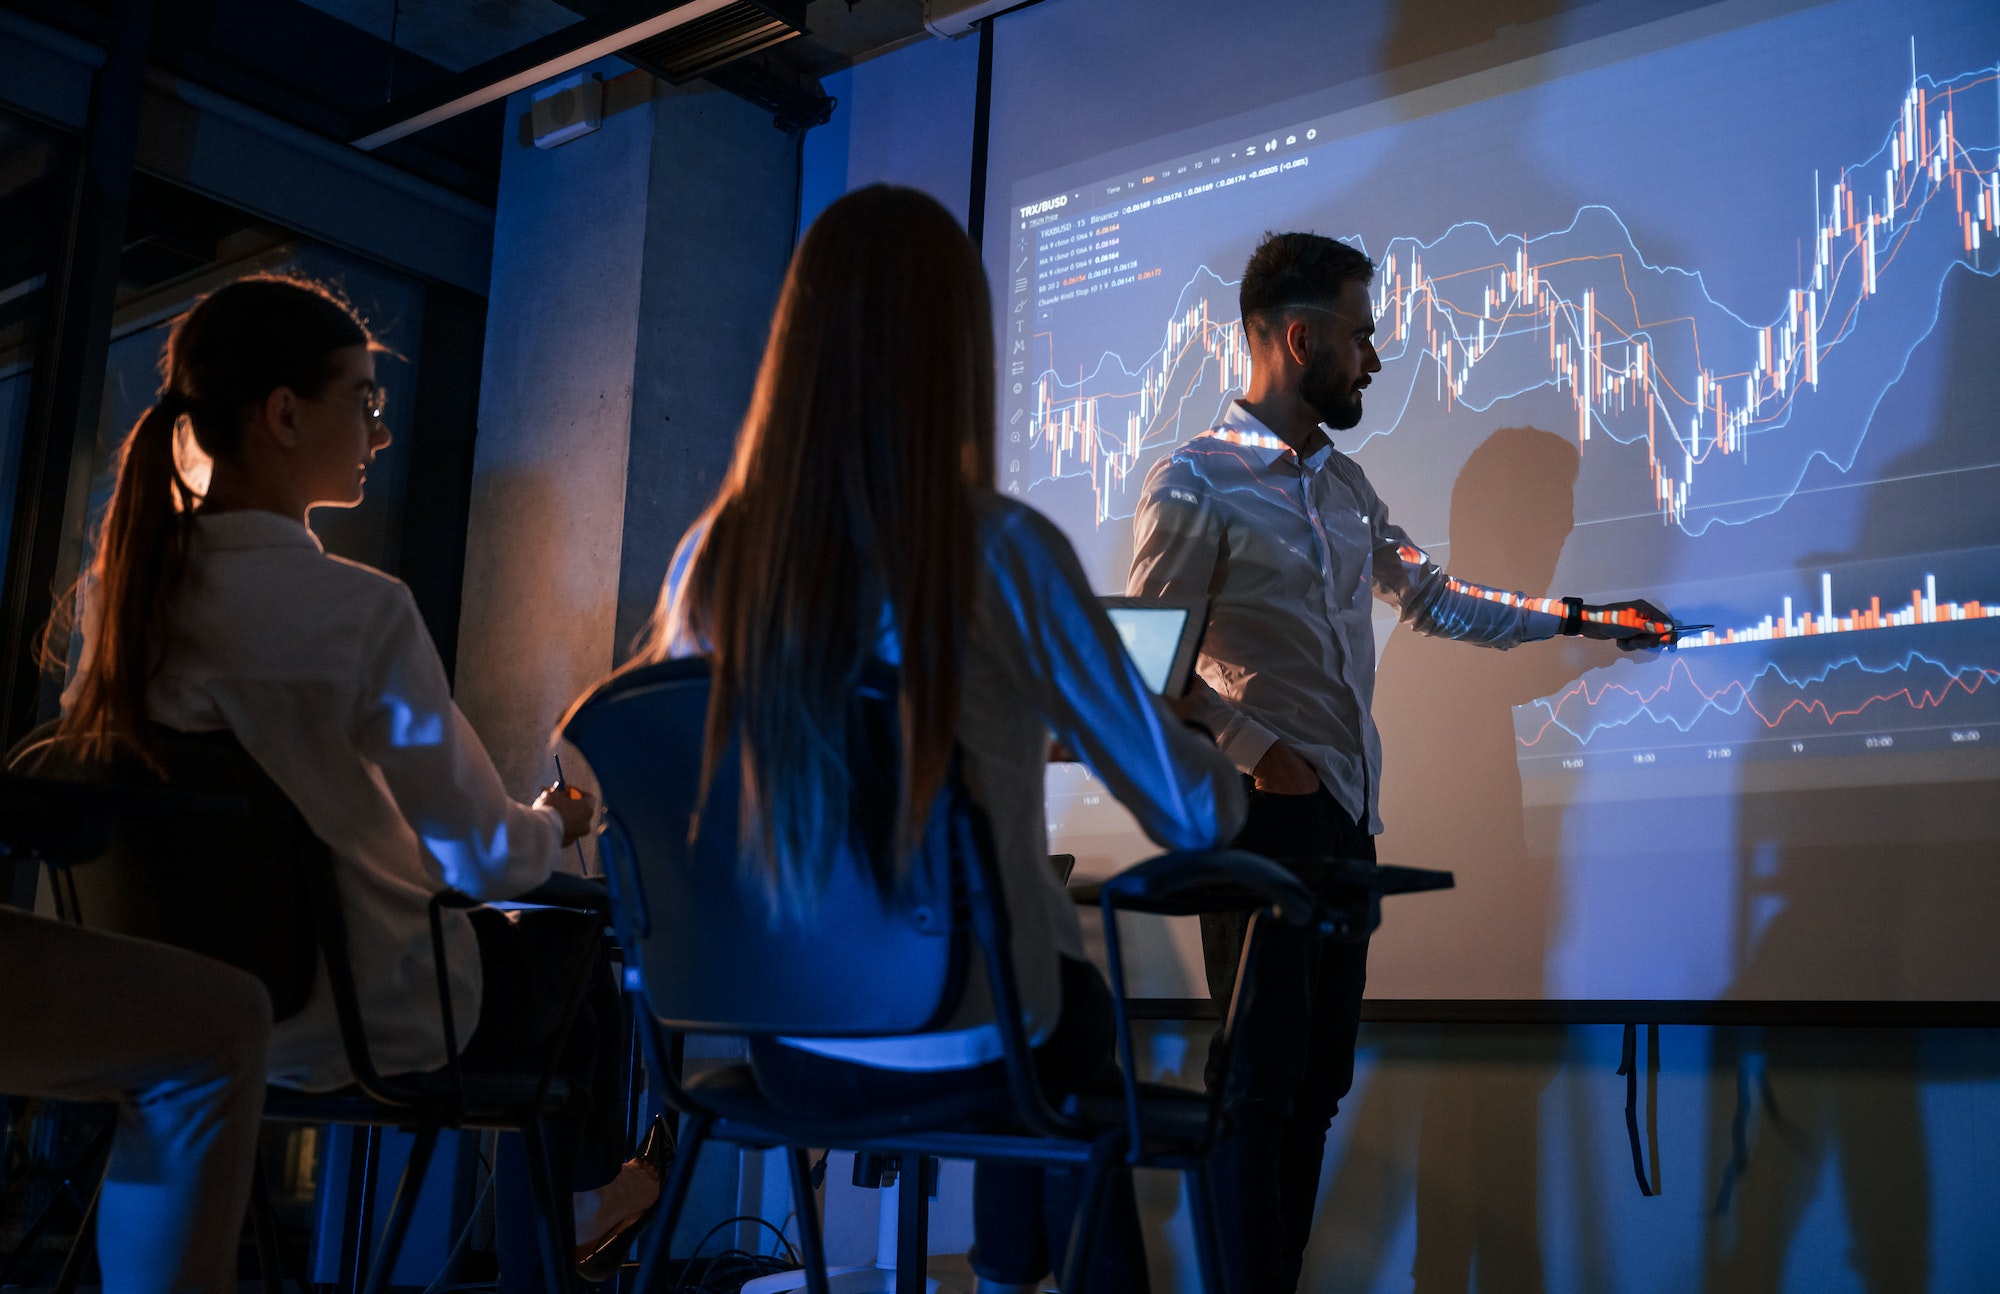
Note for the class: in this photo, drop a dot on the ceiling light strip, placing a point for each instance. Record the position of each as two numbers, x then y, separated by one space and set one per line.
542 71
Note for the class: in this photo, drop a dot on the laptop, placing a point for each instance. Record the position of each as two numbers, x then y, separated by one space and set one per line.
1162 636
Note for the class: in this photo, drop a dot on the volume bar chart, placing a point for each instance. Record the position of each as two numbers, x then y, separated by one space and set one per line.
1688 307
1907 694
1758 320
1922 608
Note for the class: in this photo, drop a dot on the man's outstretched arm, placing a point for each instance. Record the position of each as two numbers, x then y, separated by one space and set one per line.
1434 602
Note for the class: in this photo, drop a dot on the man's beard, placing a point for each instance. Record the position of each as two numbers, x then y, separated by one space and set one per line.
1321 389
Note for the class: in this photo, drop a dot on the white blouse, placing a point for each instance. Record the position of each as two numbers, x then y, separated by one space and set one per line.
325 672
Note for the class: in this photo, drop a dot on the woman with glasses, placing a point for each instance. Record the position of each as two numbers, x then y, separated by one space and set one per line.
858 523
210 605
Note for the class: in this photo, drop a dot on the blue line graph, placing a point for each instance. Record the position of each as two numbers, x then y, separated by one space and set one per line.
1744 260
1773 701
1730 412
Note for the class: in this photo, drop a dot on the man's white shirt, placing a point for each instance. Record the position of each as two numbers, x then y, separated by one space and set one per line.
1290 551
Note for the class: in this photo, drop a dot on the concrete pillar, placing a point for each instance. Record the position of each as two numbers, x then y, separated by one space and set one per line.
718 239
634 271
555 417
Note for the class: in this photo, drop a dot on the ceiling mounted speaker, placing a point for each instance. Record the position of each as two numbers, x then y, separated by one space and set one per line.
738 28
567 108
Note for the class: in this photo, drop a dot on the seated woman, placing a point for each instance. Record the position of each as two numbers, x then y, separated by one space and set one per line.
857 523
210 605
177 1041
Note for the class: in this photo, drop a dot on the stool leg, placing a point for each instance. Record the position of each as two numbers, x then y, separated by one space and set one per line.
1207 1239
913 1226
386 1253
86 1227
84 1246
555 1263
264 1227
360 1207
1090 1208
26 1244
811 1247
660 1231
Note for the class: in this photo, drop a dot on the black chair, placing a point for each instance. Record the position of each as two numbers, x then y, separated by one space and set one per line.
215 869
706 954
242 877
59 825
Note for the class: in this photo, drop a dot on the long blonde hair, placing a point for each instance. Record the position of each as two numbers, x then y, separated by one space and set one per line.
851 492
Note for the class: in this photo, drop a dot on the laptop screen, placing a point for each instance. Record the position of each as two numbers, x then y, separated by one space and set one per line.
1152 637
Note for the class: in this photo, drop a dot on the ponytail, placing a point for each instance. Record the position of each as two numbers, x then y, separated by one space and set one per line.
224 357
141 552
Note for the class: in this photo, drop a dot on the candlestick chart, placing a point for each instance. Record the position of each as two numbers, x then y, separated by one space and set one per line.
1721 404
1699 310
1707 405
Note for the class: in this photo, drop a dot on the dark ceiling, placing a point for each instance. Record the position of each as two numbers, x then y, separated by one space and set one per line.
326 64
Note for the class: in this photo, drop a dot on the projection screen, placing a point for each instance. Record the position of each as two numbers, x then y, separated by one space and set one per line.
1694 303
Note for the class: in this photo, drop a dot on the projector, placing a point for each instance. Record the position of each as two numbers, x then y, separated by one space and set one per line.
950 18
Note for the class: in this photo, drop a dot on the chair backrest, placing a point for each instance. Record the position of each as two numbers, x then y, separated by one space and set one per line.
713 953
226 876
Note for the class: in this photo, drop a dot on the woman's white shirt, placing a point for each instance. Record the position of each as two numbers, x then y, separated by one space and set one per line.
324 670
1042 659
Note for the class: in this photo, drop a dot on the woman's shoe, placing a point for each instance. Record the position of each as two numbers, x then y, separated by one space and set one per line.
599 1259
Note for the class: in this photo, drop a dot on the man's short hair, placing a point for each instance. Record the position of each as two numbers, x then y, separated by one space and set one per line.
1298 269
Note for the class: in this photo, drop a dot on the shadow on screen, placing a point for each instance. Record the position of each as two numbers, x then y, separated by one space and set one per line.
1453 1115
1861 892
1456 1117
1443 27
1451 786
1841 892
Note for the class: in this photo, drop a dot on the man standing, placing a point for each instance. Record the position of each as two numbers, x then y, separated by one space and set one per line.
1285 535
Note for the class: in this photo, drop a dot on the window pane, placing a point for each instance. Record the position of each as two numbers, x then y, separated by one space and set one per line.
33 163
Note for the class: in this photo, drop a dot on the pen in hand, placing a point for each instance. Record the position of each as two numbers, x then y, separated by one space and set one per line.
562 783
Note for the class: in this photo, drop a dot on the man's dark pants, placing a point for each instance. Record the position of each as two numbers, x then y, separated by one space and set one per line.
1294 1051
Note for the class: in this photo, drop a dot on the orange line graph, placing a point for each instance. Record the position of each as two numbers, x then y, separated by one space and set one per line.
1736 696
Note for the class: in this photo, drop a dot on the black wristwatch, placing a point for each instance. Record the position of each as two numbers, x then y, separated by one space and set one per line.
1572 617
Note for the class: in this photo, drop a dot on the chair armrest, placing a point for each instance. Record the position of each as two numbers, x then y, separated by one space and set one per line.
1196 881
568 890
1188 884
1350 890
561 890
439 902
1339 877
